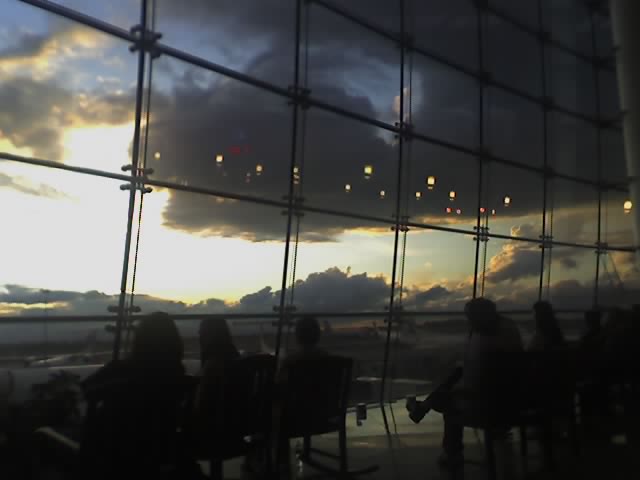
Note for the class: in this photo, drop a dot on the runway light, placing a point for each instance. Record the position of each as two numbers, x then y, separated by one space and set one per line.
418 195
368 171
431 182
347 188
258 170
507 200
482 210
452 195
628 205
156 155
382 194
458 212
493 212
219 160
448 209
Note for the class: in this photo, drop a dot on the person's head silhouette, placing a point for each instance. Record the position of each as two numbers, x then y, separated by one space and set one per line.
482 315
307 332
215 338
157 340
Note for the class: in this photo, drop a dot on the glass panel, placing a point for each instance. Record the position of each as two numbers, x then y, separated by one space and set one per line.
446 27
122 13
62 255
614 168
617 219
609 98
444 103
618 280
569 23
604 36
343 267
571 82
512 272
572 277
506 49
66 91
573 146
256 38
513 200
352 68
213 132
348 166
575 212
525 12
451 172
513 128
229 256
438 270
425 349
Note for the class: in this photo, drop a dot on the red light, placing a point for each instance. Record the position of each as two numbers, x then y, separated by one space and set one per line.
482 210
448 209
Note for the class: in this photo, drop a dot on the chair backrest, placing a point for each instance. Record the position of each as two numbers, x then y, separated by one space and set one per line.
551 378
242 406
315 395
133 423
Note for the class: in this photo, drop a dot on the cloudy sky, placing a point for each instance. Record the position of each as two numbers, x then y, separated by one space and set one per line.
67 94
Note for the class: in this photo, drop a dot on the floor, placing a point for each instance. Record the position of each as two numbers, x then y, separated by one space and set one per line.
410 451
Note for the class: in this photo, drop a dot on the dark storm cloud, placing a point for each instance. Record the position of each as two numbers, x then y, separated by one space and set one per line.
202 120
28 45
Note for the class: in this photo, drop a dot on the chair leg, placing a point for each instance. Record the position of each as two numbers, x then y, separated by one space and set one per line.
490 454
216 469
524 446
573 432
306 447
547 444
342 440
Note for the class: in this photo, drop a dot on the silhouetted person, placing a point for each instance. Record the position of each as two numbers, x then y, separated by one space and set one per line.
217 351
216 343
308 333
548 335
490 333
135 406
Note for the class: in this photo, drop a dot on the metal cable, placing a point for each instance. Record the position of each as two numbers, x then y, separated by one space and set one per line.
127 325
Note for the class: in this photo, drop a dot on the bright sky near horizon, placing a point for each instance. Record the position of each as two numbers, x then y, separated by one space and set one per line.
67 95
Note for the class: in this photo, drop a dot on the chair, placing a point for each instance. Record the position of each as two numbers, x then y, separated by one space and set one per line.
313 401
238 420
549 394
130 429
495 411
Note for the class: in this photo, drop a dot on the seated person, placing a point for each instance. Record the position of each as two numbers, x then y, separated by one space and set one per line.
307 332
135 406
490 333
217 350
548 335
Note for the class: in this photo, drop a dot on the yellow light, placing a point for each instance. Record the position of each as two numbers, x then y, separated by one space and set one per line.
368 171
219 160
347 188
382 193
507 201
628 205
295 170
418 195
452 195
431 182
156 155
258 169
